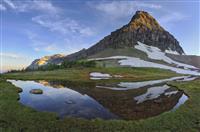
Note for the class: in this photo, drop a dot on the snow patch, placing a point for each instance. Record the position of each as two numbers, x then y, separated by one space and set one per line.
136 85
171 93
99 78
172 52
188 78
156 54
152 93
98 75
118 76
181 101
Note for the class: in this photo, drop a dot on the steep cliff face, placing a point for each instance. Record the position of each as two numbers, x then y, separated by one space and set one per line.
142 27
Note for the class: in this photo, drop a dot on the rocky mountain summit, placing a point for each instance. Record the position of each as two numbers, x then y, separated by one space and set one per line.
142 27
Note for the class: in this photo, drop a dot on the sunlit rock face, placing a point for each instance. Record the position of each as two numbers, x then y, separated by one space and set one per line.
144 28
54 59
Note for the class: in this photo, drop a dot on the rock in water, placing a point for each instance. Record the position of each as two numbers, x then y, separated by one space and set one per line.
36 91
19 90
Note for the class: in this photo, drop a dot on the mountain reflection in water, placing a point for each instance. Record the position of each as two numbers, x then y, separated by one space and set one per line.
85 100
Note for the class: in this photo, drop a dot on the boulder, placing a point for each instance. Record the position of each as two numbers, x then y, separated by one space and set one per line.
36 91
19 90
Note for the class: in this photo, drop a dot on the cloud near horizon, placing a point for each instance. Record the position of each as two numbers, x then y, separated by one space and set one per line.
10 55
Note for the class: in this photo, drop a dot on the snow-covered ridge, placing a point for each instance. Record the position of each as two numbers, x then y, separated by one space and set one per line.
156 54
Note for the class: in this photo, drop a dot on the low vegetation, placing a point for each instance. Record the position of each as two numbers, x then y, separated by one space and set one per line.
82 74
16 117
67 64
63 65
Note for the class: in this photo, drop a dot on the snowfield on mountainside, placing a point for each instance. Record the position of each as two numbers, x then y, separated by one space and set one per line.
153 53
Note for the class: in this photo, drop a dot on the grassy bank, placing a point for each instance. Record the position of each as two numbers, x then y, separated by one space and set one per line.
82 74
15 117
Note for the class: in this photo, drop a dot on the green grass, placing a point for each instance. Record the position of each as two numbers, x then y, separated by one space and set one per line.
78 74
15 117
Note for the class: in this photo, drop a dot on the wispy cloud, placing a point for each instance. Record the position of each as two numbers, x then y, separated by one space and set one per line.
119 9
67 46
2 7
10 4
40 45
64 26
37 44
49 16
46 48
50 48
171 17
36 5
10 55
72 45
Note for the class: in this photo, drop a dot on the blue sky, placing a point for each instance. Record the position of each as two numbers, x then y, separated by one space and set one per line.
32 29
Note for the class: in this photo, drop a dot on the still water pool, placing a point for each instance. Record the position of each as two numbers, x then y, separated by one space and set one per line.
89 101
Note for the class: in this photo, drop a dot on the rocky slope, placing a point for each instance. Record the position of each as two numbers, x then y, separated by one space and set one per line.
187 59
142 27
54 59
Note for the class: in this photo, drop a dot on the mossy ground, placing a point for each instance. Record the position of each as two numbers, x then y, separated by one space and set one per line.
16 117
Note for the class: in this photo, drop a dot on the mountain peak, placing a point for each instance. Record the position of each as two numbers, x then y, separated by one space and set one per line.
142 28
143 19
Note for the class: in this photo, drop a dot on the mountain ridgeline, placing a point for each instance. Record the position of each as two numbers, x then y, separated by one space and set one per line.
142 27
